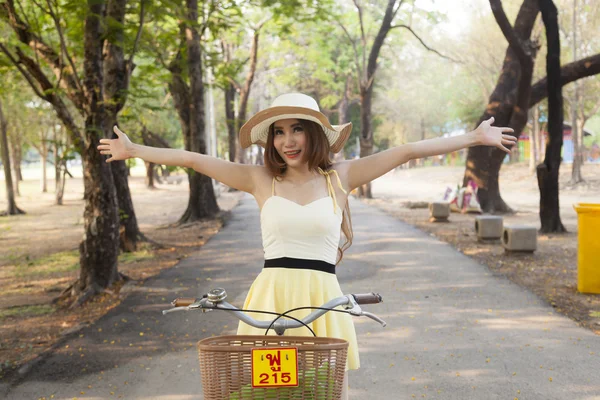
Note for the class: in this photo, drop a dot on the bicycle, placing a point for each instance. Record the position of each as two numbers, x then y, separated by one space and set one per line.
244 367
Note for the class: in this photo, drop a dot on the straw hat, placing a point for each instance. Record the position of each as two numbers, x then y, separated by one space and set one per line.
297 106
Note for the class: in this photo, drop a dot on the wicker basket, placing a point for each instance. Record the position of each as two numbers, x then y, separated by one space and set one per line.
226 367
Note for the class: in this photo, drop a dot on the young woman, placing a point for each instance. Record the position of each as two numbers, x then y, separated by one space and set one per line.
303 199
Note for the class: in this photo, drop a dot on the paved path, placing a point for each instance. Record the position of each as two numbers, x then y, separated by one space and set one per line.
455 331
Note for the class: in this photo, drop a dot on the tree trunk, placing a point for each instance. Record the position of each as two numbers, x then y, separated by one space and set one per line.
149 175
576 176
100 246
230 121
245 91
129 231
507 106
366 137
152 139
10 195
116 84
59 166
44 156
548 172
260 157
366 88
577 145
344 103
202 202
533 139
17 145
16 149
580 135
12 154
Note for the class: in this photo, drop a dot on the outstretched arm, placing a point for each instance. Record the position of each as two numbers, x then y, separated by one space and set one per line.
238 176
364 170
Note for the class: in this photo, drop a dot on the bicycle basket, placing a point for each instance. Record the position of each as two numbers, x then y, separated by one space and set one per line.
226 367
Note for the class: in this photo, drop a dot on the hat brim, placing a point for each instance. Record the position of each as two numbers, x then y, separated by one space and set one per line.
256 129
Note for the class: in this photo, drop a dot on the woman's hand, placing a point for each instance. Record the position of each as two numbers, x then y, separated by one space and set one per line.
119 149
488 135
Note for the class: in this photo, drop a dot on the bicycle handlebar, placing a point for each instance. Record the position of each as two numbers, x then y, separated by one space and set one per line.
368 298
214 300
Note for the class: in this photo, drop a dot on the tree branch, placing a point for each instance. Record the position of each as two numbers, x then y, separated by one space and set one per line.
423 43
47 53
397 9
236 85
384 29
363 38
353 43
568 73
137 38
63 46
25 74
508 31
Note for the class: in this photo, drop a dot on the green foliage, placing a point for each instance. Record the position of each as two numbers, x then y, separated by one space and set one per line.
315 383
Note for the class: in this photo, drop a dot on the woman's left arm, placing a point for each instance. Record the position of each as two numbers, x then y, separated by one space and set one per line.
364 170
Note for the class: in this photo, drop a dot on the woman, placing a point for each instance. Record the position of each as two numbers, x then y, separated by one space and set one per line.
303 199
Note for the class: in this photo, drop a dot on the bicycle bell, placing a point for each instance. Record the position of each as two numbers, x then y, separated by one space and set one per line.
217 295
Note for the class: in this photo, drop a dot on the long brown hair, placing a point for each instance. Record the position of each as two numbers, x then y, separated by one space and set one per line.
317 156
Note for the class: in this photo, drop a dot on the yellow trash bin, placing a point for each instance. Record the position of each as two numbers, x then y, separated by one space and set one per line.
588 247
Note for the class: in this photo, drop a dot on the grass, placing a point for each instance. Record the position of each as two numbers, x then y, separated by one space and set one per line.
140 255
595 314
26 311
64 261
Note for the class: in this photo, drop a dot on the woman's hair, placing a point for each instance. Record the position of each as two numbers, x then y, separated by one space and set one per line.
317 155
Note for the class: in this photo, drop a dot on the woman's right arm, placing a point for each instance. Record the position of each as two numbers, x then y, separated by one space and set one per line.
238 176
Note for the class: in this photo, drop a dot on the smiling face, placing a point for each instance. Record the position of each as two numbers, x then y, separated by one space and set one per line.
296 143
289 139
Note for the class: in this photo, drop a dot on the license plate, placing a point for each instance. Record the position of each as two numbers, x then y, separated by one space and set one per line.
274 366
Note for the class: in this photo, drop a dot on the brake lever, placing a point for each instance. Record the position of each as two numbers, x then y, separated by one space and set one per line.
374 318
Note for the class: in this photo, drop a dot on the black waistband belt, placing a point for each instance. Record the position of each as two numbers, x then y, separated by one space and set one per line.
300 263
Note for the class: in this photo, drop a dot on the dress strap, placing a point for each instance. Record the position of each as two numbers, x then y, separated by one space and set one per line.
330 189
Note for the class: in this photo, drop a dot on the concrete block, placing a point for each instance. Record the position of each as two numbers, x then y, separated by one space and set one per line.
488 227
439 211
519 238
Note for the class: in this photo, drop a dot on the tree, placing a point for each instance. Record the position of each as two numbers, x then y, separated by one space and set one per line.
33 56
189 102
152 139
508 107
366 68
548 171
230 68
10 194
508 101
117 70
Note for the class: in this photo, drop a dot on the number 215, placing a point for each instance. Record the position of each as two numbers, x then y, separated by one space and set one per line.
285 378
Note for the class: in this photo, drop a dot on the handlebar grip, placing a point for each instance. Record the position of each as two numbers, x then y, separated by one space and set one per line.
368 298
183 301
